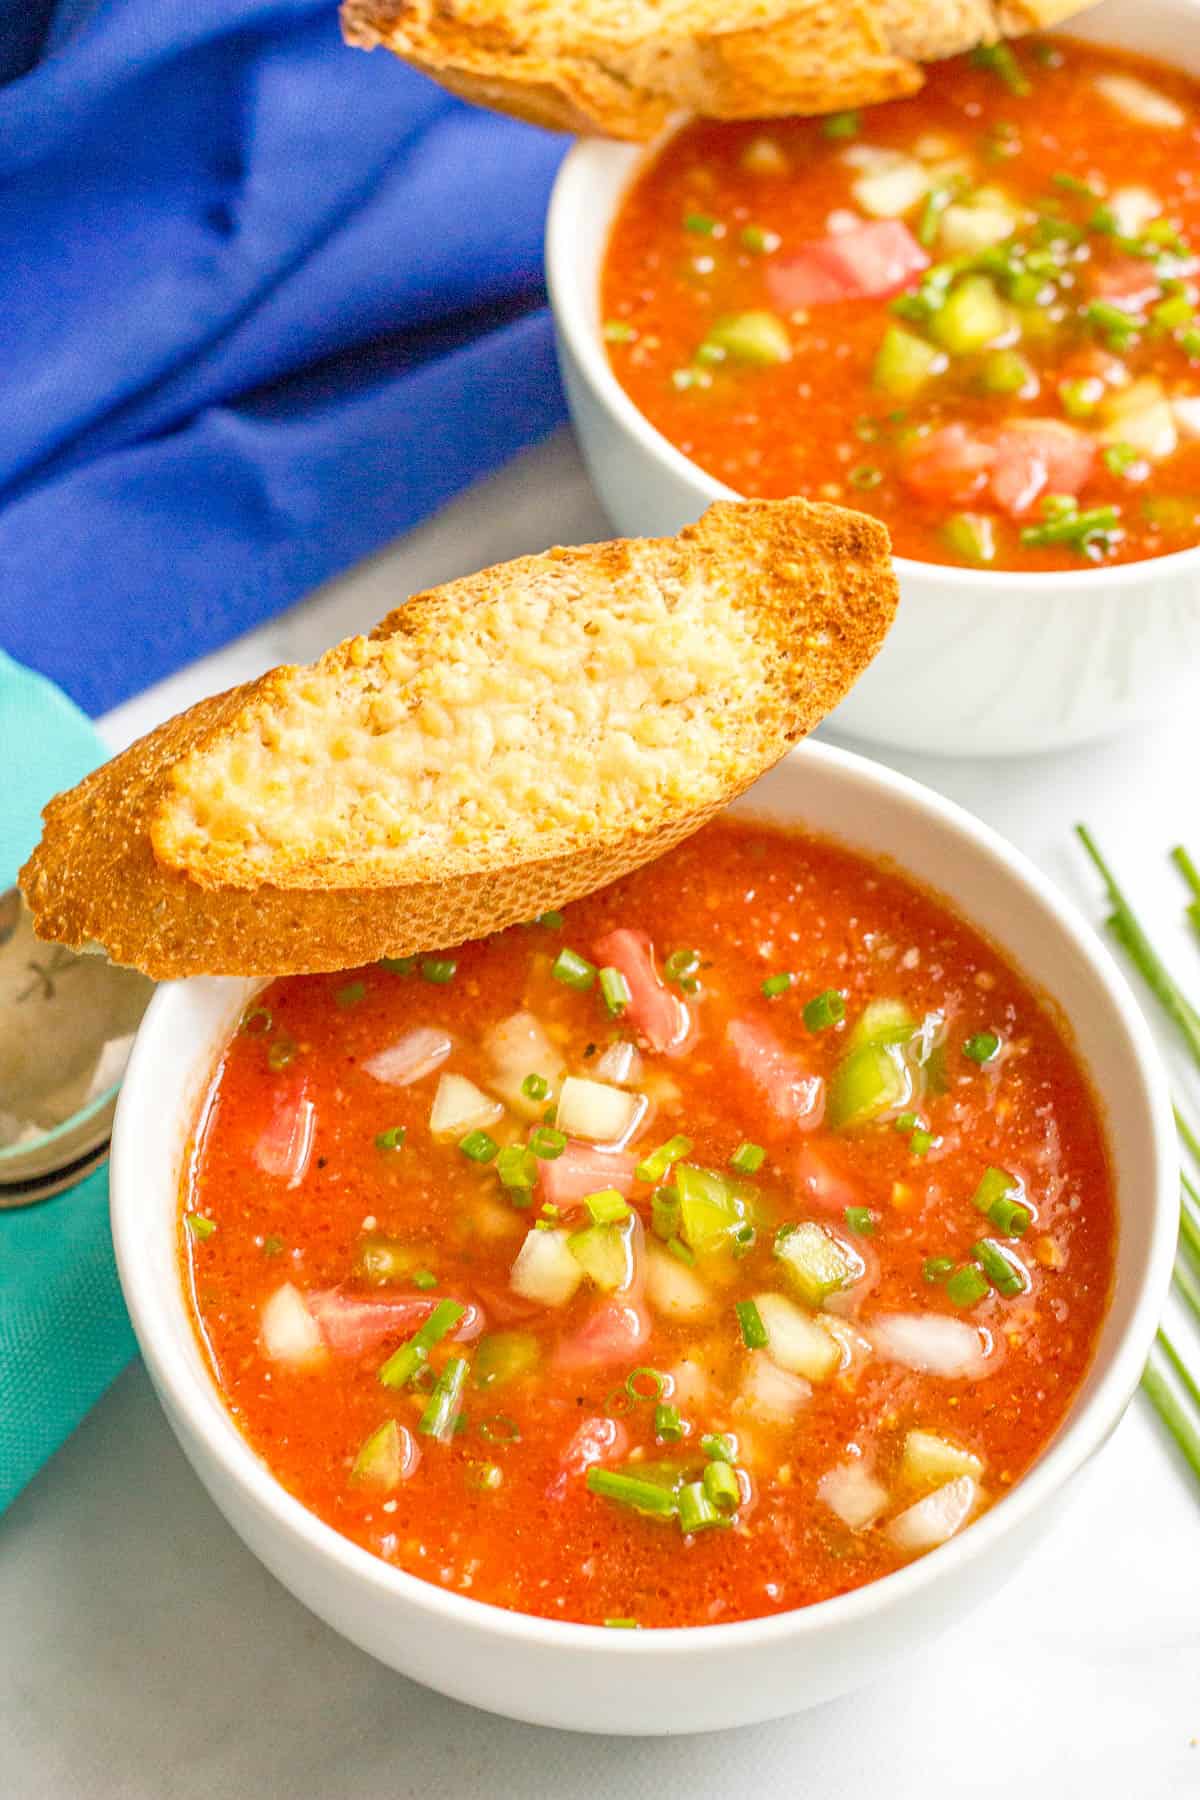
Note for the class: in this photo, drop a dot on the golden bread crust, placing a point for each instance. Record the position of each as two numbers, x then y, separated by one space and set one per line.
625 70
817 586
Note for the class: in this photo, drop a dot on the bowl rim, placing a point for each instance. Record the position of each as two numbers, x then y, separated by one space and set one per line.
569 280
193 1393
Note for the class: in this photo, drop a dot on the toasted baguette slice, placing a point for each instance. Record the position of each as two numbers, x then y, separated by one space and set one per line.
625 67
498 746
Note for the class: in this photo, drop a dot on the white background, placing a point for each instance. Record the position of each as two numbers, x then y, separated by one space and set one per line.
144 1652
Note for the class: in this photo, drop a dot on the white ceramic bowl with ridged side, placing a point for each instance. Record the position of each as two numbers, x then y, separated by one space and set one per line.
583 1677
978 662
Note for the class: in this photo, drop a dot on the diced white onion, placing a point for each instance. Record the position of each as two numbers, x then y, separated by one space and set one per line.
871 156
1140 102
1141 416
459 1106
290 1334
795 1341
771 1392
691 1388
934 1344
853 1493
518 1046
930 1460
1133 208
965 229
545 1271
935 1518
416 1054
1187 415
598 1112
841 219
621 1063
674 1290
853 1348
890 192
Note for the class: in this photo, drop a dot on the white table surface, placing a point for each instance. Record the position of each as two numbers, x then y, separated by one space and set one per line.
146 1653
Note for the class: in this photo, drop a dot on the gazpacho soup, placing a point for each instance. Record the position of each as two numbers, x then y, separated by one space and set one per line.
701 1252
972 313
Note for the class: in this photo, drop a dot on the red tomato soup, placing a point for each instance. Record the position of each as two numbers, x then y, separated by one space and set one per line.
972 313
706 1251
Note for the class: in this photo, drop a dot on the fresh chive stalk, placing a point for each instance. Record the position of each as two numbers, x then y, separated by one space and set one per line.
629 1490
656 1166
614 991
573 970
824 1010
412 1356
441 1414
748 1158
754 1332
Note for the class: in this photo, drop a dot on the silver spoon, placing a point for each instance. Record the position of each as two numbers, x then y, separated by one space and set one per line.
66 1028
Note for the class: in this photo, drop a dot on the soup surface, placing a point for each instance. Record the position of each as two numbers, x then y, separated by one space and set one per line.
972 313
706 1251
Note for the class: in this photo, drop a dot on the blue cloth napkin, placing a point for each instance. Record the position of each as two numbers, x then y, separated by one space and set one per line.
265 302
64 1333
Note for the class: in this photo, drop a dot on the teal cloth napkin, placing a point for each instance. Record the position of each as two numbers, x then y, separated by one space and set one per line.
64 1333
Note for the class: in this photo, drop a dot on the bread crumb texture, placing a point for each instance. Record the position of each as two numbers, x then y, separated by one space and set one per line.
534 712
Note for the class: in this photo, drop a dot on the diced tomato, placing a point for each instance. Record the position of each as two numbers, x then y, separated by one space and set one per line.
1090 362
950 466
597 1440
350 1325
793 1096
1014 465
660 1018
582 1170
819 1184
612 1333
1037 457
284 1146
868 262
1127 282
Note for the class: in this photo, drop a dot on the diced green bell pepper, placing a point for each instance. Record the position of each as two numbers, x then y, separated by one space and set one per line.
751 337
380 1462
711 1208
602 1252
971 536
973 317
905 363
503 1356
817 1263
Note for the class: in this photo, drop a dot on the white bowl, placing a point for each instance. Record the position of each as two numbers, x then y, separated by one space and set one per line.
978 663
581 1676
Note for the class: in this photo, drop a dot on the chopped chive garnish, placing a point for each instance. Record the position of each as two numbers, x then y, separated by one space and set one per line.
200 1227
721 1488
257 1022
1005 1272
619 331
614 990
681 967
664 1213
717 1447
644 1383
553 921
775 985
681 1252
761 241
406 1362
272 1246
535 1087
1000 60
667 1423
865 476
696 1510
479 1146
1084 530
500 1429
424 1279
936 202
967 1286
1071 184
441 1414
607 1207
921 1142
842 125
1189 343
1009 1216
351 994
1118 458
629 1490
281 1054
981 1047
754 1332
908 1121
655 1166
438 970
824 1010
517 1167
546 1143
485 1477
861 1219
573 970
398 965
703 225
622 1625
392 1139
748 1159
936 1268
